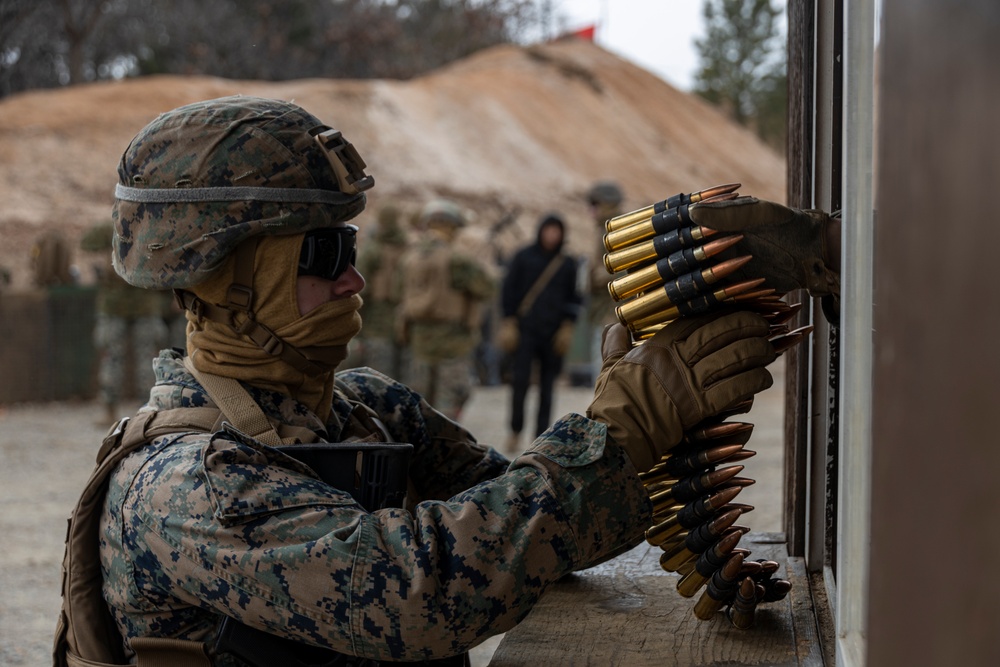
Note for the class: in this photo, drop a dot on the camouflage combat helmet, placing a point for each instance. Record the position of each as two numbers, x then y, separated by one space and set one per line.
605 193
442 211
200 179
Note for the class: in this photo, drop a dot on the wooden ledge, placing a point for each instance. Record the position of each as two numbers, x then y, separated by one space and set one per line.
627 612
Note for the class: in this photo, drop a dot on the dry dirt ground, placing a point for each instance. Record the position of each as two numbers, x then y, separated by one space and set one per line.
47 452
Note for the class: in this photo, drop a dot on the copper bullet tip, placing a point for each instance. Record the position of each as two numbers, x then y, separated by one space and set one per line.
713 248
724 497
741 455
758 295
714 198
785 315
743 507
732 568
723 269
714 191
739 288
723 430
742 482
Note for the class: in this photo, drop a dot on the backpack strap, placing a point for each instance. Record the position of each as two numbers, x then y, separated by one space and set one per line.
536 288
86 634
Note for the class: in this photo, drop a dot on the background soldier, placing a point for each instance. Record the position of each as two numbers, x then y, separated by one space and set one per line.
50 261
540 303
129 331
605 201
378 260
443 294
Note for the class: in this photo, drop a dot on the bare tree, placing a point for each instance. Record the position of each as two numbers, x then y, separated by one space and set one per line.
57 42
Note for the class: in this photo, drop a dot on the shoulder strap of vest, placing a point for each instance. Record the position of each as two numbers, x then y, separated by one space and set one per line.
239 408
86 635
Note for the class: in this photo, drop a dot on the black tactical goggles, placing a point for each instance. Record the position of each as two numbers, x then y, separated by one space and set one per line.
326 253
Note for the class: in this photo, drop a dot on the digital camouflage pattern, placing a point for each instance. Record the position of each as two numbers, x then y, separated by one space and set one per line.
197 526
229 142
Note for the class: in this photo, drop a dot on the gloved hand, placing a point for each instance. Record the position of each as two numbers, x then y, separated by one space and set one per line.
508 335
791 248
693 368
563 338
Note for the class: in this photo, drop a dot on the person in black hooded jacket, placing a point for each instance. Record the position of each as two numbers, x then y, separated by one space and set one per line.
540 303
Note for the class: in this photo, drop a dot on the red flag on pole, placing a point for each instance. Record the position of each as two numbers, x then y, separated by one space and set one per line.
587 32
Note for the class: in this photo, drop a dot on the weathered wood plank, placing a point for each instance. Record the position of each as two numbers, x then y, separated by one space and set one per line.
627 612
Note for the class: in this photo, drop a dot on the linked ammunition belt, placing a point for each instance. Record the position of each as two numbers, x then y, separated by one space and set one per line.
669 273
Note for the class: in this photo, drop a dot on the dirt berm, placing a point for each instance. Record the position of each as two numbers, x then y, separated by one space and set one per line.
528 127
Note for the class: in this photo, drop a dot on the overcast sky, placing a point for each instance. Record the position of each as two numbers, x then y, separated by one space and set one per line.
656 34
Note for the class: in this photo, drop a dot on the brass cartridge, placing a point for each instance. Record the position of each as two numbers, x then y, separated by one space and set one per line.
681 465
674 201
663 222
741 614
708 563
659 246
672 267
649 309
721 587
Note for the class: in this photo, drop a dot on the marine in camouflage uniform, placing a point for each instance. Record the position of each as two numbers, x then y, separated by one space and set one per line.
378 261
441 312
129 322
205 523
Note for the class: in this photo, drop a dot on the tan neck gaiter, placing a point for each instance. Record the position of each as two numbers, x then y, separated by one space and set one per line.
321 335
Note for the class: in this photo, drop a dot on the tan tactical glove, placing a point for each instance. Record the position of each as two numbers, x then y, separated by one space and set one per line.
508 335
563 338
791 248
693 368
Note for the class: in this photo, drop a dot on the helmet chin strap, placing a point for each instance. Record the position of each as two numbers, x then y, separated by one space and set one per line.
238 315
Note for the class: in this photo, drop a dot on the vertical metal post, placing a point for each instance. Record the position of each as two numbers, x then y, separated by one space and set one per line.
856 334
826 195
801 36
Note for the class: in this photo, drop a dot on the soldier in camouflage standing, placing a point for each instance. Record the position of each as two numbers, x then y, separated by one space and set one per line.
203 513
379 261
443 294
130 329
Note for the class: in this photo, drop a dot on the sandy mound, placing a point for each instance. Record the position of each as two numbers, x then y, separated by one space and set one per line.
527 127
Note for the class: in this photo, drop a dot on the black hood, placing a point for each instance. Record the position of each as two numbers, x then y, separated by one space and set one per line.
555 220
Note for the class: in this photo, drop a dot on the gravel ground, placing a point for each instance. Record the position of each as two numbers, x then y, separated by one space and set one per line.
47 452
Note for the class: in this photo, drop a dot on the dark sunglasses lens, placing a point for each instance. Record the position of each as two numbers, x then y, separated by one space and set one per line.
327 253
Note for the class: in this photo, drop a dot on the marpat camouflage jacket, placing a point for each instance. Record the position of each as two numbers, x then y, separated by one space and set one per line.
197 526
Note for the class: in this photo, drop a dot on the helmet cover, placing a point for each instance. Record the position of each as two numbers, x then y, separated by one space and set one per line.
202 178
